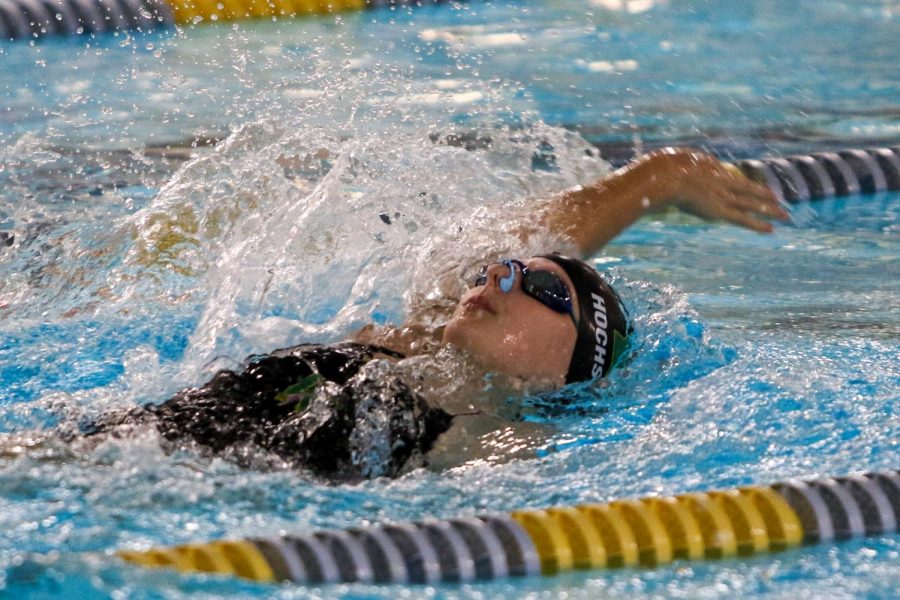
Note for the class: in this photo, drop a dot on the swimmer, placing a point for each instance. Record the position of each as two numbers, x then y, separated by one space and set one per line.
542 322
510 332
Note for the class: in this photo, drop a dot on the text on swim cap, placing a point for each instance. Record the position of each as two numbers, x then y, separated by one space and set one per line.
600 337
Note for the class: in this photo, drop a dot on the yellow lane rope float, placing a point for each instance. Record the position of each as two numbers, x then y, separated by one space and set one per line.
193 11
625 533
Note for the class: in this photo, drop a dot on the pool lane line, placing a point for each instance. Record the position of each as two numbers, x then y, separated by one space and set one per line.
646 532
31 19
820 175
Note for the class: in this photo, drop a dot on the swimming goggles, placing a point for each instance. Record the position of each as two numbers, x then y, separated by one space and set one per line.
546 287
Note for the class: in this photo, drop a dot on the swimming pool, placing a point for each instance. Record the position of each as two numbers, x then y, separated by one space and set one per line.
760 358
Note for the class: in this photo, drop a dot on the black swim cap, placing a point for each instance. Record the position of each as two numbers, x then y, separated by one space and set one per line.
602 326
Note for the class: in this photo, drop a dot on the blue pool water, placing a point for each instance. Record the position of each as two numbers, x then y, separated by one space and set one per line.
132 271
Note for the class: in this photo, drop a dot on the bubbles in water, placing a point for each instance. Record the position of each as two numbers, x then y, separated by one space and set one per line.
331 215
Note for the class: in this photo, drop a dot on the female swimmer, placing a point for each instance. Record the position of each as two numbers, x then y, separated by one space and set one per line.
543 321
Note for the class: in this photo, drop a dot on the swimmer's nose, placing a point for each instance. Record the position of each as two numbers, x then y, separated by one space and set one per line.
492 275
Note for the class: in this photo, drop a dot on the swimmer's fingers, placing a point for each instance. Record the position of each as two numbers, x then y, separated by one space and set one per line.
744 202
756 197
745 219
745 186
745 207
756 202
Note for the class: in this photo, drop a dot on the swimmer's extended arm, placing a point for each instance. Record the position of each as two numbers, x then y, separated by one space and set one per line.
592 215
691 180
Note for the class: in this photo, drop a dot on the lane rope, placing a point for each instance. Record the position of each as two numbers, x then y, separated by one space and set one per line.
827 174
649 532
31 19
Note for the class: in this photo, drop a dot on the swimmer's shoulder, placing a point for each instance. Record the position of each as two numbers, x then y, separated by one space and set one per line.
406 340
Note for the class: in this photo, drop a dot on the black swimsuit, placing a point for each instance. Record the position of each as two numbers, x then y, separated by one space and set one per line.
315 407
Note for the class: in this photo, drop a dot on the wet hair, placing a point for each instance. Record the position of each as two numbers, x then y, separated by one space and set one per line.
602 323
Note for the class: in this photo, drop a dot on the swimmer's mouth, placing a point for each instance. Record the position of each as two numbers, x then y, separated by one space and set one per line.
480 302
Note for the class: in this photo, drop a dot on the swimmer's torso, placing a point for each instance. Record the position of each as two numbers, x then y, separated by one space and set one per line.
332 410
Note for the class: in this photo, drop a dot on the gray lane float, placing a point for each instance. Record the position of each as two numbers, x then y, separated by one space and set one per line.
38 18
827 174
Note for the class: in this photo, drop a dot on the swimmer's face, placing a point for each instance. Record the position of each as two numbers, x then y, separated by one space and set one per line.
512 332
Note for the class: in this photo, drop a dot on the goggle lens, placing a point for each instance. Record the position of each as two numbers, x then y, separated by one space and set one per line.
549 289
544 286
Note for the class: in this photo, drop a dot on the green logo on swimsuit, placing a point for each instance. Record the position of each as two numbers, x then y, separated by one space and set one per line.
300 393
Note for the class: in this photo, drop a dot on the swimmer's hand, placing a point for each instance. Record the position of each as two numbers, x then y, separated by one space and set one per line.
691 180
701 185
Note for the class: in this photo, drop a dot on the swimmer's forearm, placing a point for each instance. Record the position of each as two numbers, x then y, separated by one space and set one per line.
591 216
696 182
